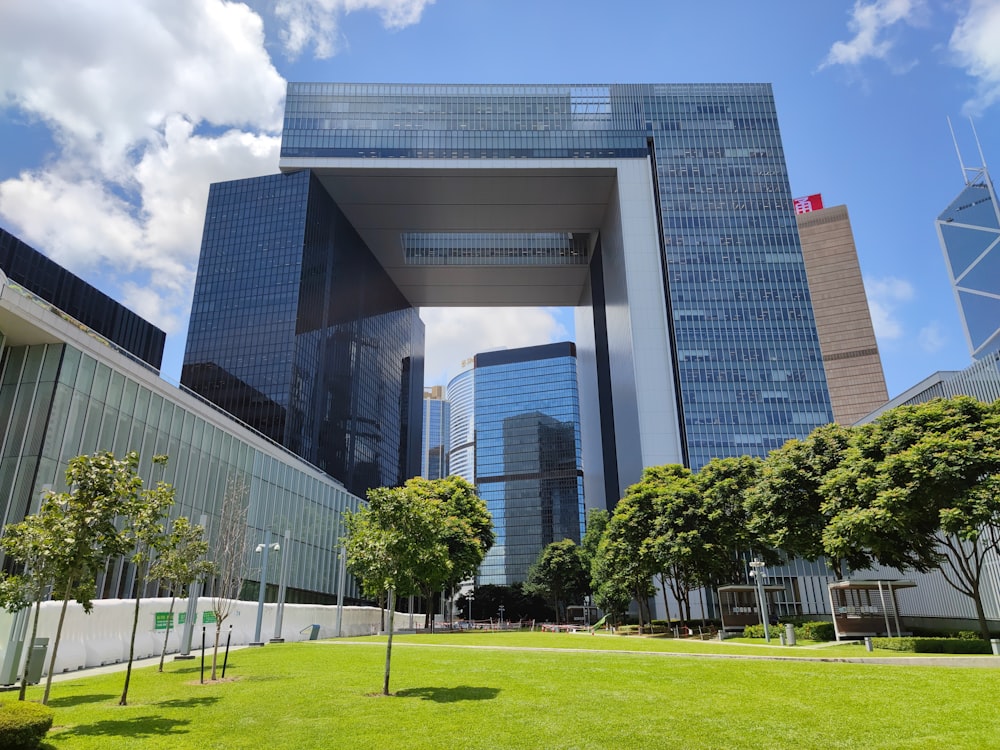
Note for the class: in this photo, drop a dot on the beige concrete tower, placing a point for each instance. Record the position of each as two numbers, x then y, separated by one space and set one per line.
843 321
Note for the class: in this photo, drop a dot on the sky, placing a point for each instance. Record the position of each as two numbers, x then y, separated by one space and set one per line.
116 116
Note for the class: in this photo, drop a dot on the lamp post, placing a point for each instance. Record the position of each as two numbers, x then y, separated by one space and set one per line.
282 588
470 597
757 571
264 548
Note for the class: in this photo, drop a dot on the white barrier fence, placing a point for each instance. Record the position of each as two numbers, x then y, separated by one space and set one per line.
102 637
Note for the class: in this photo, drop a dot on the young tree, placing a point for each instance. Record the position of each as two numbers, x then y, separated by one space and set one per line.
230 553
180 562
30 542
396 544
146 517
103 488
918 488
467 529
558 573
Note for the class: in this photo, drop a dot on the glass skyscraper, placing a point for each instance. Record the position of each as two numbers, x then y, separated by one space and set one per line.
662 212
435 435
969 232
297 331
528 454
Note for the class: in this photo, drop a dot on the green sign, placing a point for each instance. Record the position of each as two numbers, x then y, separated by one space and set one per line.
181 618
208 617
162 620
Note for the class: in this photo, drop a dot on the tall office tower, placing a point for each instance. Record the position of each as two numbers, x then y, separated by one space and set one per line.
969 233
462 429
843 320
436 430
297 331
661 211
529 467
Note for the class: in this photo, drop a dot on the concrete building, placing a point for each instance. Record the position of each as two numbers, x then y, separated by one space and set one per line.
67 390
843 321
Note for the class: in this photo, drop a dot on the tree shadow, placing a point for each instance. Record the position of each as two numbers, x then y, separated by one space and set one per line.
78 700
450 695
139 727
188 702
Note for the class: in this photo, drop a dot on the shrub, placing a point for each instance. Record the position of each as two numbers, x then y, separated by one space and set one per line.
815 631
757 631
23 724
933 645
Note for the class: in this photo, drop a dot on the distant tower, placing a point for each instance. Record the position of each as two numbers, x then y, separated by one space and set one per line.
843 321
462 437
969 233
436 428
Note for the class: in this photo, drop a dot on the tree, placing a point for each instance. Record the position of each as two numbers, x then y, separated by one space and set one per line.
396 545
677 542
558 573
30 542
625 560
918 488
230 554
103 488
146 516
180 562
785 508
467 529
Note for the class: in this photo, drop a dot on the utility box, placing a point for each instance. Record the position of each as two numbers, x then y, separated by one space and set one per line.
36 661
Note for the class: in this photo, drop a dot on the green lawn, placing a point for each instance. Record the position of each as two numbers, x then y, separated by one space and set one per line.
325 695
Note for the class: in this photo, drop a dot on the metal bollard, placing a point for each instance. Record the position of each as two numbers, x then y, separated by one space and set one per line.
995 645
868 643
789 634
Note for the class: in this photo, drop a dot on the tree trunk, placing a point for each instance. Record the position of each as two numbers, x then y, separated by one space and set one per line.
388 645
984 626
170 620
31 643
666 601
139 582
55 646
215 652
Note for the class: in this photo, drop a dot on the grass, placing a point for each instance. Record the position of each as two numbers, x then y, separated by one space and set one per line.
325 695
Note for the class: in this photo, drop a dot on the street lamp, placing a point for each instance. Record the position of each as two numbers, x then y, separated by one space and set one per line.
470 597
758 573
264 548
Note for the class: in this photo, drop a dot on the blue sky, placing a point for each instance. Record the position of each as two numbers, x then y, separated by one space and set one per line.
115 117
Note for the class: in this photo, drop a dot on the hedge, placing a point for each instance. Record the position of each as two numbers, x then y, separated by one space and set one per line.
934 645
23 724
806 631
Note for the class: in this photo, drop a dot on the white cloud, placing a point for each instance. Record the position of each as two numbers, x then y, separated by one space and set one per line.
456 333
869 22
975 43
885 297
932 338
316 23
147 103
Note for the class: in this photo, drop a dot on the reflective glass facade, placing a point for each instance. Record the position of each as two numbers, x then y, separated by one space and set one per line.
436 431
969 232
529 467
745 351
462 429
72 296
297 331
79 396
